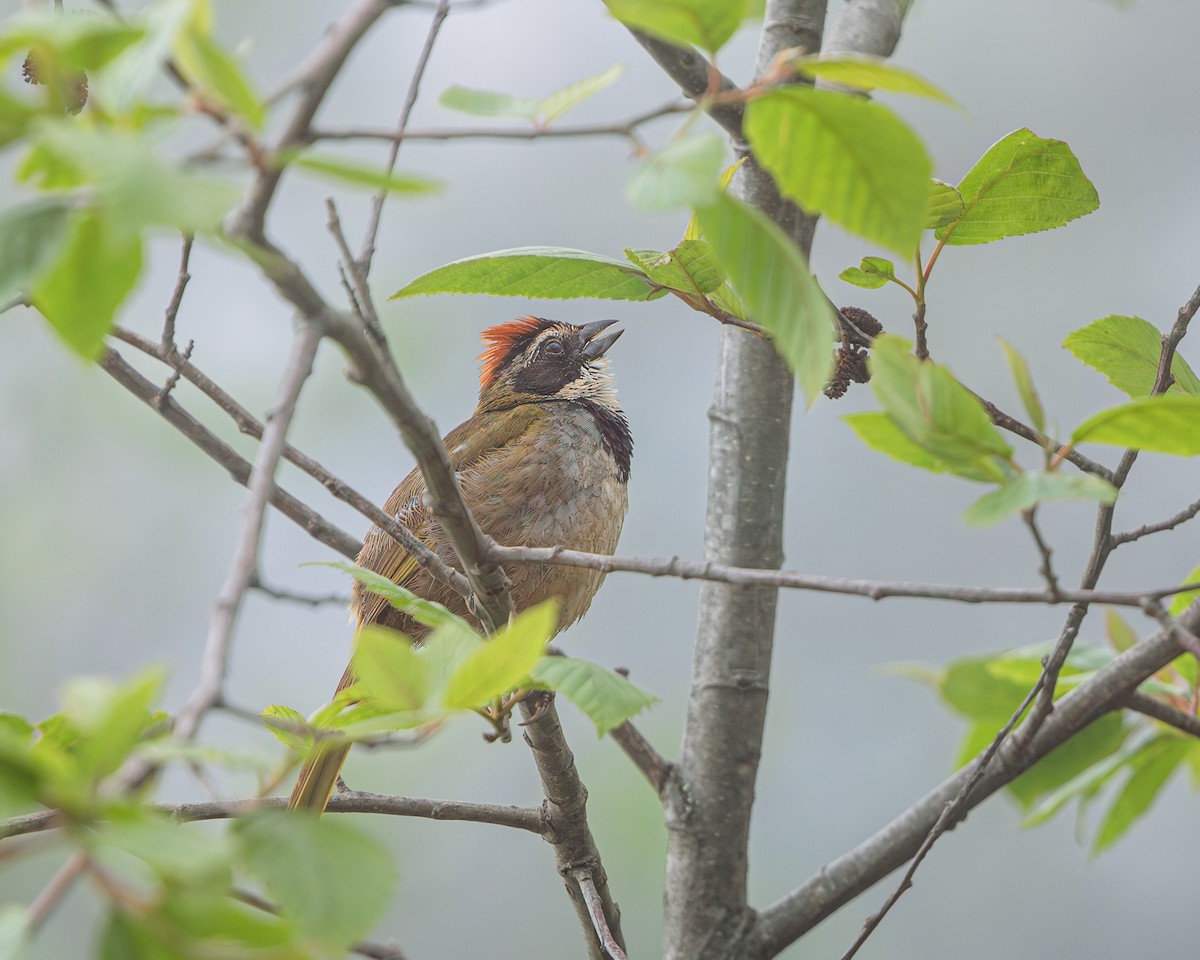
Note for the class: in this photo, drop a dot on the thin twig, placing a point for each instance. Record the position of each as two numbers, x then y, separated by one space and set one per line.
361 267
308 599
1014 426
595 908
1188 640
361 299
54 890
1129 536
1046 568
1164 712
181 282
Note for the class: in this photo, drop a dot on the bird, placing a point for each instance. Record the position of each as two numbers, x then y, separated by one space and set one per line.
543 461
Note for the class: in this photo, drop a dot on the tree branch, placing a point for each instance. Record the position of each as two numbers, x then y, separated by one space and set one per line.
696 77
1164 713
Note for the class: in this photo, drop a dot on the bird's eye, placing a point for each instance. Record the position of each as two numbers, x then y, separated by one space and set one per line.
554 348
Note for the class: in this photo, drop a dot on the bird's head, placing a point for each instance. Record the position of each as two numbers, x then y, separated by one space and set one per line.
532 360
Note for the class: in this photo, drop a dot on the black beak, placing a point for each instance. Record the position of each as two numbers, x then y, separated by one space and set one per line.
596 348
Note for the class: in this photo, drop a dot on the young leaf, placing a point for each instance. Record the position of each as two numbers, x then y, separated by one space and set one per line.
706 24
1120 634
1181 601
879 432
869 73
75 43
684 173
110 717
1023 184
1149 770
546 273
1025 389
361 175
174 851
556 104
1033 487
30 237
425 612
1091 746
1127 351
945 205
216 74
772 277
486 103
847 158
331 880
504 661
80 292
607 698
690 267
390 672
287 725
1167 424
935 411
1082 786
693 228
872 273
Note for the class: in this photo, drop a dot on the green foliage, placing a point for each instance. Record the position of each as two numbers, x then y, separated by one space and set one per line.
684 173
1165 424
880 432
872 273
607 698
1149 770
690 266
772 278
30 237
1120 634
504 661
945 205
214 73
360 175
1029 489
389 671
425 612
849 159
867 74
707 24
1025 388
541 112
1023 184
1181 601
331 880
1127 351
14 931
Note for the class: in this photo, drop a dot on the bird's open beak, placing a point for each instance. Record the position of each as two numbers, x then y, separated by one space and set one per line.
597 346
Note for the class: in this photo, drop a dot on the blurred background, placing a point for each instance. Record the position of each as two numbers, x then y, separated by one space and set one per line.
115 533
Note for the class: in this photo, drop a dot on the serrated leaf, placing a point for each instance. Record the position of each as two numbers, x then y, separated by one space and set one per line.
425 612
607 698
1023 184
869 73
1033 487
333 881
1120 634
706 24
1149 770
556 104
689 268
214 73
547 273
1025 389
362 175
1166 424
879 432
872 273
81 290
389 670
935 411
499 665
849 159
287 725
1181 601
945 205
31 235
1127 351
684 173
771 276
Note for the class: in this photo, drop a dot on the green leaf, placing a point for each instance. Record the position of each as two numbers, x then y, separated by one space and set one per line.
690 267
1083 786
1023 184
80 292
868 73
1025 389
31 234
361 175
110 717
389 670
287 725
935 411
1149 770
684 173
879 432
215 74
504 661
772 277
607 698
546 273
1120 634
14 931
872 273
850 159
556 104
706 24
945 205
693 228
1181 601
425 612
486 103
176 852
333 881
1092 745
1033 487
72 42
1167 424
222 924
1127 351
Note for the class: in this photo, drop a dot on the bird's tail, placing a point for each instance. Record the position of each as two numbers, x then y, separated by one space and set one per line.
319 775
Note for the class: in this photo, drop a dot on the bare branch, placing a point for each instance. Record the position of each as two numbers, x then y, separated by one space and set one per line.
307 599
1046 568
696 77
1184 515
595 907
1164 712
1014 426
181 282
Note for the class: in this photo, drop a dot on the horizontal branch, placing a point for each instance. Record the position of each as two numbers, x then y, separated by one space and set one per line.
530 819
872 589
1164 712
